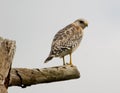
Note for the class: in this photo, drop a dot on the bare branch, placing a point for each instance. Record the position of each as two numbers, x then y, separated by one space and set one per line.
25 77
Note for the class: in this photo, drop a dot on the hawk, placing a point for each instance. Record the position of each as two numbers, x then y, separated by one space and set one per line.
67 40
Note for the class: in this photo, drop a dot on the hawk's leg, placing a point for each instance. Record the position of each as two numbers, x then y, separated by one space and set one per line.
70 59
63 60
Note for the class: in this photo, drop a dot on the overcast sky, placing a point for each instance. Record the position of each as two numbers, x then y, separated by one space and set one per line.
33 24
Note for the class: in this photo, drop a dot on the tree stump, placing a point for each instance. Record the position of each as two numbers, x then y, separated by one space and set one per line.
7 50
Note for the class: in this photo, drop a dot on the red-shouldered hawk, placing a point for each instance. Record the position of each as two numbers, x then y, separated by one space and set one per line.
67 40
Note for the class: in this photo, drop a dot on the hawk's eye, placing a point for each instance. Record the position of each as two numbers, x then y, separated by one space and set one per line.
81 22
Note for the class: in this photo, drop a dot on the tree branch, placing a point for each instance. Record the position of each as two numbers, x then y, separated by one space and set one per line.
25 77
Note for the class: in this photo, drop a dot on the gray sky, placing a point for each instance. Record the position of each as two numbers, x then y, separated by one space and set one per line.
33 23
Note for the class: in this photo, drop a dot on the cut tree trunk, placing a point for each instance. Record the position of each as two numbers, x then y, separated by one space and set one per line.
7 49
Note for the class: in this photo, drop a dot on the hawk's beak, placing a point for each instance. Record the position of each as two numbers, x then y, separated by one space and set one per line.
86 24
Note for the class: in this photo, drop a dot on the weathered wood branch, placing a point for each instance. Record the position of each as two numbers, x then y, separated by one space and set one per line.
7 49
25 77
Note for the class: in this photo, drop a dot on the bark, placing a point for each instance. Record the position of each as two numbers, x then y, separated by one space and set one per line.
24 77
7 49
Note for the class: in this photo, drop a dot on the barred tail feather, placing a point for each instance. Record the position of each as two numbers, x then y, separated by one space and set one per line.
48 59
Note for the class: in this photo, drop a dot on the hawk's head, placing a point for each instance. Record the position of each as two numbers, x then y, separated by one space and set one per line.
81 22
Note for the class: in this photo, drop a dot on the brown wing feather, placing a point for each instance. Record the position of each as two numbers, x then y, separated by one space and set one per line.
64 40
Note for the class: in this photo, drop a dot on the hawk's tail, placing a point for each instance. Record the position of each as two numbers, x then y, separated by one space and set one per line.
48 59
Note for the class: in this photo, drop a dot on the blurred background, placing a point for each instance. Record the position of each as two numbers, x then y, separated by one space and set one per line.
33 24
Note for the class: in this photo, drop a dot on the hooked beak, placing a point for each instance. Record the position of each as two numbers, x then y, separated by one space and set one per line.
86 24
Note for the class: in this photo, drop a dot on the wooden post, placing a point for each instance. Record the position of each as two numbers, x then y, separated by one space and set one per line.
7 49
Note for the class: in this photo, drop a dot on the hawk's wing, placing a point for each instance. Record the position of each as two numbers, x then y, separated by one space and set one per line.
65 39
